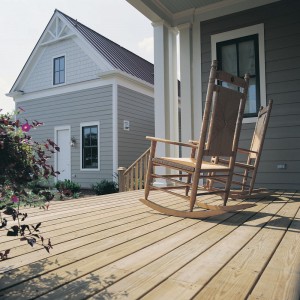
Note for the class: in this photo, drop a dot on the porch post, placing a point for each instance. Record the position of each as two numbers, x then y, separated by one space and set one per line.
187 117
173 90
191 80
165 83
196 78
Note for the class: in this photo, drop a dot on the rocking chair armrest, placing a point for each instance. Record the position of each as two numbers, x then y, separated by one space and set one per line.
246 151
170 142
194 142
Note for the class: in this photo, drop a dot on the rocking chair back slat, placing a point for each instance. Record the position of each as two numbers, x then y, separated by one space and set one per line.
221 132
260 129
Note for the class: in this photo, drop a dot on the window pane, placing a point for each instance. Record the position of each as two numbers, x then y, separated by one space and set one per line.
94 157
87 158
86 136
251 106
62 63
94 136
247 58
61 76
56 64
56 78
229 61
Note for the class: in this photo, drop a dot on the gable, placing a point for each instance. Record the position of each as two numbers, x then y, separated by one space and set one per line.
78 66
85 48
60 37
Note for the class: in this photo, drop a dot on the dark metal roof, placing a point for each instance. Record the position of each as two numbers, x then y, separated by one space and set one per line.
116 55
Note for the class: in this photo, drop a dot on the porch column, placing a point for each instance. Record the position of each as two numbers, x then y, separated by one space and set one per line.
187 117
166 89
196 79
190 78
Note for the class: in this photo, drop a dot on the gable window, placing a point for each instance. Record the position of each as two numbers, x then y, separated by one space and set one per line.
241 51
90 146
59 70
240 56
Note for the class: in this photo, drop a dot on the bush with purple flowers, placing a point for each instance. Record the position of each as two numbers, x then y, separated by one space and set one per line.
22 161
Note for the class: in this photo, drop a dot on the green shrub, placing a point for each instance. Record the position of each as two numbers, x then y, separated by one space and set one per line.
105 187
68 185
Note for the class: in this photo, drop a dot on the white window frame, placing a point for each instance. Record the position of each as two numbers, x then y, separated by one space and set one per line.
53 58
85 124
242 32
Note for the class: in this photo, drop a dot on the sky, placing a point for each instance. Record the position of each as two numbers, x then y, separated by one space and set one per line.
23 21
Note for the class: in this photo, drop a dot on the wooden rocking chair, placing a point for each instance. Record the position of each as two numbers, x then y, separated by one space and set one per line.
250 164
221 126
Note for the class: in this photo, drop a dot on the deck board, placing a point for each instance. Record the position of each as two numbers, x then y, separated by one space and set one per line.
114 247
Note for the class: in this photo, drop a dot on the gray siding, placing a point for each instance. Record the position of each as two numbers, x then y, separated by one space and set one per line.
71 109
282 53
139 110
79 66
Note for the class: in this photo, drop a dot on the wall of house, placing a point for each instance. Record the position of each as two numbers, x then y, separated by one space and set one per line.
282 47
138 109
94 104
79 66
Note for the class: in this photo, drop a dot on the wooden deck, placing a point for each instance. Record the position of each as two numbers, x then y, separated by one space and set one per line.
114 247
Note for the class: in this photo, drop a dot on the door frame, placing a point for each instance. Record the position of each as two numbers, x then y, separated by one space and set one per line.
56 129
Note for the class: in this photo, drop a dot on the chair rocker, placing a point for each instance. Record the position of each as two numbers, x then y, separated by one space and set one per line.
220 130
246 170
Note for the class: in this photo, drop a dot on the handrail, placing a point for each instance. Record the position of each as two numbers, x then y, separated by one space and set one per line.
134 176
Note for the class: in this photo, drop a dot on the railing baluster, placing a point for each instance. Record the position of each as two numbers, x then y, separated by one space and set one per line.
141 174
131 179
134 177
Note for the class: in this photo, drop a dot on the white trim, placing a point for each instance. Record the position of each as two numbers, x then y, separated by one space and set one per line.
129 81
57 128
84 124
115 145
56 40
107 79
53 58
241 32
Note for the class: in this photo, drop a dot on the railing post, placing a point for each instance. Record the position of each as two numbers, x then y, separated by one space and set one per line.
121 171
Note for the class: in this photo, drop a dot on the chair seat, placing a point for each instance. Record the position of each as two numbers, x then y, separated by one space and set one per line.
188 164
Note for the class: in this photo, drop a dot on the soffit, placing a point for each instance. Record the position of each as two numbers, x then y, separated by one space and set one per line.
176 12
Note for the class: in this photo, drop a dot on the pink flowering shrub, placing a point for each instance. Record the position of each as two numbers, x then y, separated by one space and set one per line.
22 161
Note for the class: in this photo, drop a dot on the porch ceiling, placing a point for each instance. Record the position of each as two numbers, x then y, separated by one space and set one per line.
176 12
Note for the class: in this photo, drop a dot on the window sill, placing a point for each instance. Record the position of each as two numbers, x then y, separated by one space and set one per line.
90 170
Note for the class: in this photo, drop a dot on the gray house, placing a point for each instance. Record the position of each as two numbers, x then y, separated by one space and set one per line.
261 37
96 100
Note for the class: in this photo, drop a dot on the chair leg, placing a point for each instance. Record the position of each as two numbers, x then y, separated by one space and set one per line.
189 180
149 178
194 191
227 189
